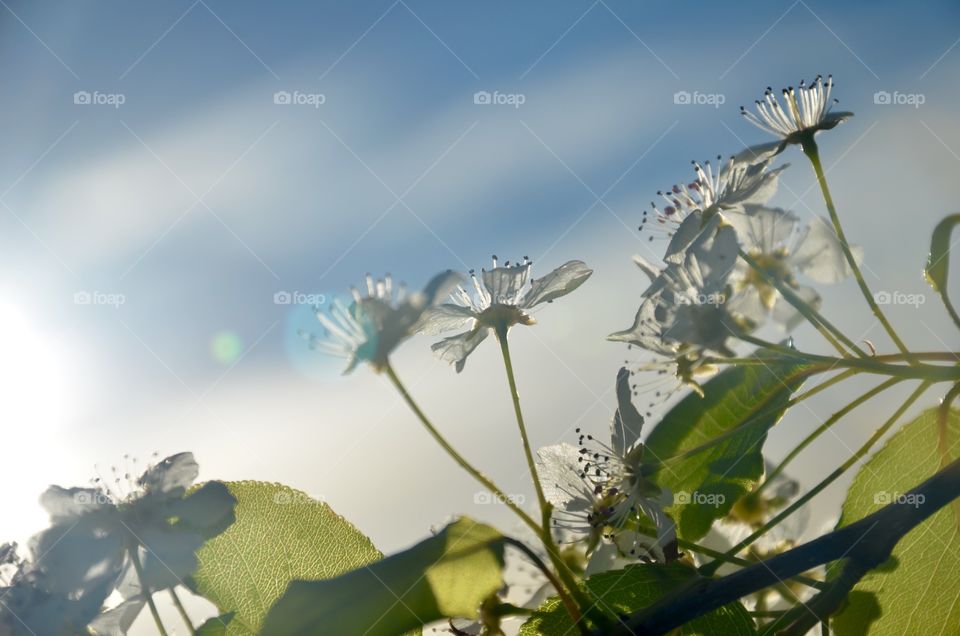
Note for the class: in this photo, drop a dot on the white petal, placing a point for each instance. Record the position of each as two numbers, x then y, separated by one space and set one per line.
762 229
505 283
819 254
557 283
172 475
627 422
688 230
455 349
559 471
445 317
760 152
787 315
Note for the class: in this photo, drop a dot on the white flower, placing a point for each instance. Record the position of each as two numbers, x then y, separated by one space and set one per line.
604 492
805 112
683 312
86 553
689 207
498 299
782 249
372 326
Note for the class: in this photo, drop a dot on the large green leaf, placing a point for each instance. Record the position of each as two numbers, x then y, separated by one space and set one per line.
630 590
446 576
280 535
737 409
918 592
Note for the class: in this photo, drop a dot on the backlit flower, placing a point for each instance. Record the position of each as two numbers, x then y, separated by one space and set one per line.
498 299
373 325
604 491
805 111
683 312
688 207
95 532
783 249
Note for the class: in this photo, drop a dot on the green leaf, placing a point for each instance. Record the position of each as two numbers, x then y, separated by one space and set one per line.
630 590
216 626
280 535
938 262
921 593
446 576
732 418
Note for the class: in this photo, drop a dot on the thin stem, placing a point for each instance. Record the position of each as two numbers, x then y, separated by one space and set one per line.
712 567
826 384
183 611
135 559
832 335
515 396
813 154
457 457
823 428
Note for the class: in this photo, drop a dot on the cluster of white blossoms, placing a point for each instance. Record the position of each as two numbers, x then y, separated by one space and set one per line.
706 293
728 256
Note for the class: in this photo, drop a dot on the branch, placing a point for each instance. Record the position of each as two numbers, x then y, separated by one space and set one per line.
864 545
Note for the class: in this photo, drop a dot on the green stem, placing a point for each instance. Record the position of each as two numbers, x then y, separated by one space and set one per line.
833 419
918 371
813 154
183 612
457 457
135 559
832 335
826 384
515 396
712 567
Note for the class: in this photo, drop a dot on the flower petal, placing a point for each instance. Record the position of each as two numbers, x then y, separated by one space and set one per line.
819 254
445 317
557 283
64 504
627 422
760 152
559 471
173 475
762 229
455 349
505 283
119 620
787 315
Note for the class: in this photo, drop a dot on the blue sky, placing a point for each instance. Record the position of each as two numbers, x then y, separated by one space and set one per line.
199 198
